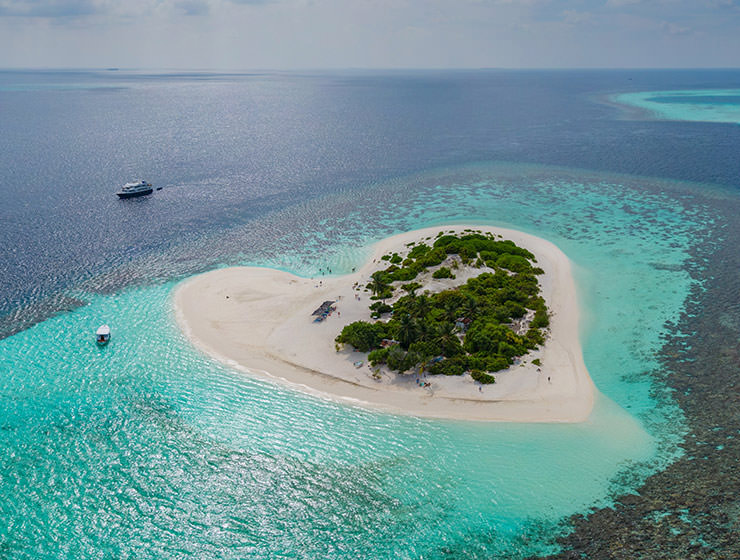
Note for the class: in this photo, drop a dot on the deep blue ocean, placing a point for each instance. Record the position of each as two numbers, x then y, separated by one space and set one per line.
229 148
148 449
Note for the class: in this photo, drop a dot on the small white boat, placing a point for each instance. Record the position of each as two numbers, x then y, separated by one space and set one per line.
130 190
102 335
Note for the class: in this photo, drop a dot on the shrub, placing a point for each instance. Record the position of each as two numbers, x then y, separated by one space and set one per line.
515 309
432 258
419 251
450 366
362 335
403 274
445 240
534 338
515 263
443 272
540 320
381 307
489 255
410 360
482 377
508 350
395 358
385 293
497 363
377 356
396 259
426 350
411 287
484 337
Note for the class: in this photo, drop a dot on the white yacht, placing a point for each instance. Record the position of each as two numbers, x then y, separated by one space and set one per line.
130 190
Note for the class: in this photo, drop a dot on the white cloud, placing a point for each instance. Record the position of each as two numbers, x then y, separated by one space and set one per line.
575 17
365 33
674 29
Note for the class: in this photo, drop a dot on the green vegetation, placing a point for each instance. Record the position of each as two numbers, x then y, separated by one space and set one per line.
482 377
443 272
462 329
362 335
378 308
411 287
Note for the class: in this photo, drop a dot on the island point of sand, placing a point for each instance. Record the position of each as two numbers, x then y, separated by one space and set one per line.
524 365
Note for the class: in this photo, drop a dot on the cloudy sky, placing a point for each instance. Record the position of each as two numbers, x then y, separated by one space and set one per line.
290 34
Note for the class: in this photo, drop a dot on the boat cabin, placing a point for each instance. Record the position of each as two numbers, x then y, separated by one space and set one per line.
102 335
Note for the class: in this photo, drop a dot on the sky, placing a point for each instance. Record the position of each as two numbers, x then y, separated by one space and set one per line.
328 34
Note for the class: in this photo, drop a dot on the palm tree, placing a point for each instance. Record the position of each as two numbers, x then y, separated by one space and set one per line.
407 331
377 286
421 306
470 307
451 310
447 336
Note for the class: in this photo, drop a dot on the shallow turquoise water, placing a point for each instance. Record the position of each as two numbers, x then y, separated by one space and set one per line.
147 449
706 105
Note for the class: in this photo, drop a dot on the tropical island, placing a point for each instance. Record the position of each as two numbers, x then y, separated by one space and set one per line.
457 322
478 326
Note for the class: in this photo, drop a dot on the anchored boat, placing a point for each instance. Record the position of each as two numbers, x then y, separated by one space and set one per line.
130 190
102 335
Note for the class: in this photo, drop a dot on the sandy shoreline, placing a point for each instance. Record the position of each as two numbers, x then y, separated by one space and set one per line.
259 320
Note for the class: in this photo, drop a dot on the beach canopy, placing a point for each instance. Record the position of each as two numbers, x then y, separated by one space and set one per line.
324 308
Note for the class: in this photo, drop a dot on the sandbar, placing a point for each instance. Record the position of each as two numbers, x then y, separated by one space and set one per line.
259 321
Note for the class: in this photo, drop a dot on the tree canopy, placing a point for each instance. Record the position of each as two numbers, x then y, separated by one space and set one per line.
465 328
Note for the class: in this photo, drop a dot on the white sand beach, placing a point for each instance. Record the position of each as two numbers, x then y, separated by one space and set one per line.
259 320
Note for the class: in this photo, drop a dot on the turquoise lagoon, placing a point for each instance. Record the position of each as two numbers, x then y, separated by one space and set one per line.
148 449
703 105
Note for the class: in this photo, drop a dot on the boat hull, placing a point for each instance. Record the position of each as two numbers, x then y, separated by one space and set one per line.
134 194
